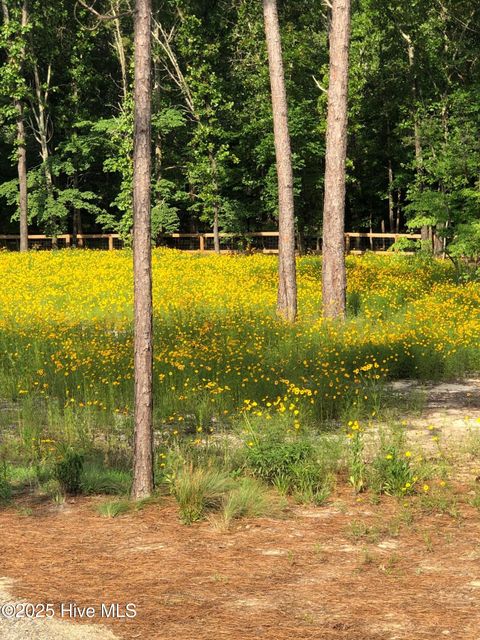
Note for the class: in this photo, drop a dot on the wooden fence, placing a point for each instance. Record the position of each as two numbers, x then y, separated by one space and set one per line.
260 242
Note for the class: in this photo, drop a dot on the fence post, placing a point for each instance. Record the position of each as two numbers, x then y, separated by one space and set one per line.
110 242
347 243
202 242
68 241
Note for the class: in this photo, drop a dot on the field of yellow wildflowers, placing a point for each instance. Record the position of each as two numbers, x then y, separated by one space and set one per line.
66 337
253 418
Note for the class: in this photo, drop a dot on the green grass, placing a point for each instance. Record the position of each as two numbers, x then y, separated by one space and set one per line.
249 498
100 480
199 490
113 509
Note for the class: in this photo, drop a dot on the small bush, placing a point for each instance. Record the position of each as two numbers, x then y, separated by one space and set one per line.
393 472
198 490
68 471
275 461
312 484
354 303
51 488
5 490
23 476
295 467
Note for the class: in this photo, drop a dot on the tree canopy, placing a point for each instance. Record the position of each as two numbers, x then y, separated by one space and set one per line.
413 154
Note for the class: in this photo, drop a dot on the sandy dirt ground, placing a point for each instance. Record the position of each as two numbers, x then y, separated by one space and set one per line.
20 627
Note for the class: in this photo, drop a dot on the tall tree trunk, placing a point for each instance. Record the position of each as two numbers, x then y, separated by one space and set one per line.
216 234
216 206
22 176
438 232
156 106
398 211
301 242
115 8
77 226
390 178
40 113
21 137
287 280
391 213
333 270
426 231
142 257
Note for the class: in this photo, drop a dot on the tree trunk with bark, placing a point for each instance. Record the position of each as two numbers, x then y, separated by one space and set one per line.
77 226
43 135
333 270
391 204
287 280
390 179
142 258
22 176
22 153
216 230
216 205
116 10
426 231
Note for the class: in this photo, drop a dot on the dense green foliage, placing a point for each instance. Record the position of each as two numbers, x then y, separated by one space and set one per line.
411 64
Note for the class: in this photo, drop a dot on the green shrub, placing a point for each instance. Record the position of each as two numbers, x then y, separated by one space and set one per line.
393 473
311 483
295 467
276 461
51 488
21 476
5 487
5 490
68 471
394 469
354 303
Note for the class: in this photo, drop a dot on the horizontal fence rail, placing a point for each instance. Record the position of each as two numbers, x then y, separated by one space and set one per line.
258 242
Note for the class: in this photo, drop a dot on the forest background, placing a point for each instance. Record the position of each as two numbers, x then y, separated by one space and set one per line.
414 111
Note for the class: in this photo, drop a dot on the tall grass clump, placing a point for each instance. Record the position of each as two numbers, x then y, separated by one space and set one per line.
198 490
96 479
249 498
